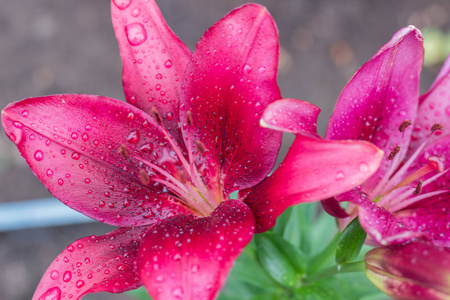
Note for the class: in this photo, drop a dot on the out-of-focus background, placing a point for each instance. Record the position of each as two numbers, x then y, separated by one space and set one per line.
54 46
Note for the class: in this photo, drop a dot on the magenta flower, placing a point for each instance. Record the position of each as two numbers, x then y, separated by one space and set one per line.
414 270
408 196
163 167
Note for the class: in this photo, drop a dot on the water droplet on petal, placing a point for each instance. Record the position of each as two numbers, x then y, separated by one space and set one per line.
136 33
38 155
168 63
17 124
340 175
53 293
25 113
136 12
261 70
247 69
85 137
122 4
76 155
54 274
67 276
80 283
74 135
134 137
178 292
363 167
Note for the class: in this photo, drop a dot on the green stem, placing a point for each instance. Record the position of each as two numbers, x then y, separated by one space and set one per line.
318 260
357 266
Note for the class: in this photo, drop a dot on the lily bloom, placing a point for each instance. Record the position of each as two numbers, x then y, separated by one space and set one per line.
413 270
408 196
162 167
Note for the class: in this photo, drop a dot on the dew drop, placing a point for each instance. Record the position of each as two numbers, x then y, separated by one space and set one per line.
87 180
136 33
25 113
121 268
159 278
49 173
169 116
122 4
136 12
38 155
80 283
75 155
60 181
247 69
363 167
168 63
85 137
53 293
54 274
261 70
70 248
17 124
340 175
159 76
67 276
74 135
88 127
178 292
134 137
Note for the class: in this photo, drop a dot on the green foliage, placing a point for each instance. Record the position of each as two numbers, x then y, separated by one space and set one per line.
296 260
350 243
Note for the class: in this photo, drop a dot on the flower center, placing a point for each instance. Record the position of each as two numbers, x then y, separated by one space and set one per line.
394 191
182 179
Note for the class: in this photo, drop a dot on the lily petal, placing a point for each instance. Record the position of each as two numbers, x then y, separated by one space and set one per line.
154 59
291 115
415 270
72 143
379 223
231 80
93 264
313 170
381 95
333 208
434 109
188 258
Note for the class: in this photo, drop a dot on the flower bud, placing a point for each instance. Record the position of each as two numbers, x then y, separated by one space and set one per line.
413 270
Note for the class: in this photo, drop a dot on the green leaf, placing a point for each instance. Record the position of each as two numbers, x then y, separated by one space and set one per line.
350 242
315 292
140 293
281 259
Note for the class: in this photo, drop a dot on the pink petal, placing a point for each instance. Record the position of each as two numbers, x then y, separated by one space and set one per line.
431 218
415 270
313 170
434 108
188 258
379 223
154 59
291 115
72 142
333 208
231 80
93 264
380 96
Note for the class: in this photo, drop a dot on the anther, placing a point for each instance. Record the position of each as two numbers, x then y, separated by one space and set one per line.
404 125
143 176
436 126
156 115
189 118
418 187
123 149
394 152
201 148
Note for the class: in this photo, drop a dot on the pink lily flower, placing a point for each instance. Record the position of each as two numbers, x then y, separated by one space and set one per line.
408 196
413 270
162 167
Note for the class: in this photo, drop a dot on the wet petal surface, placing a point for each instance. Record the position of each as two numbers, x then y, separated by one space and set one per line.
73 144
188 258
231 79
93 264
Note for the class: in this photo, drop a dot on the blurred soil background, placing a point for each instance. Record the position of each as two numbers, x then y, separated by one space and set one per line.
68 46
